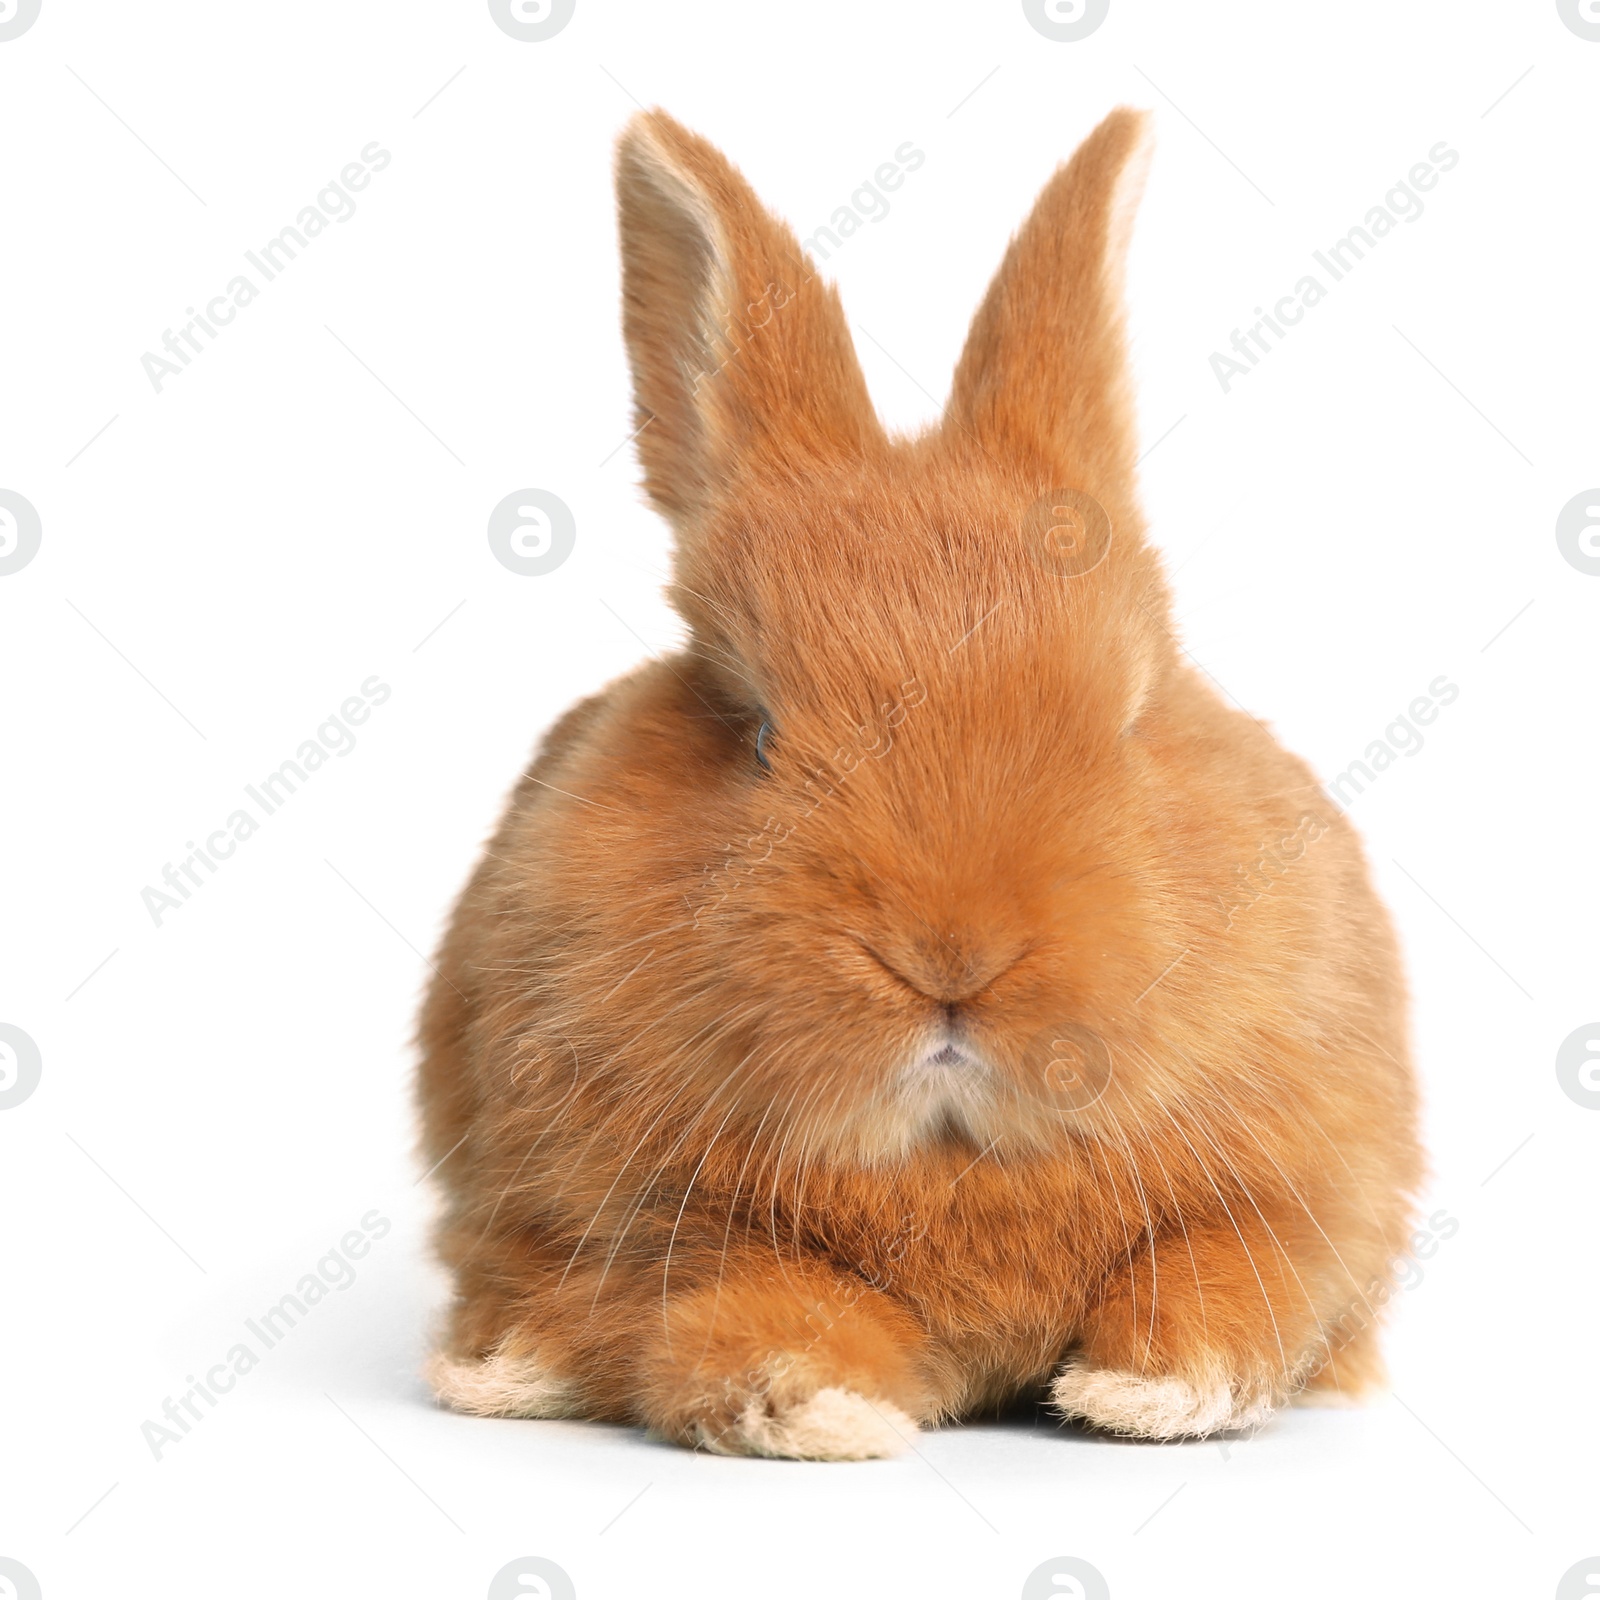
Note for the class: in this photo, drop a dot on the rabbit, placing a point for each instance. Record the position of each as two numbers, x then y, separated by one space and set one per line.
921 994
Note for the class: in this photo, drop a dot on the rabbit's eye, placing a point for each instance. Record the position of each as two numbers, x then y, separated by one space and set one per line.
764 736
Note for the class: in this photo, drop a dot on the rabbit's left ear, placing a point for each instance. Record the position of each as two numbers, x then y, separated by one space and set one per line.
1043 380
741 357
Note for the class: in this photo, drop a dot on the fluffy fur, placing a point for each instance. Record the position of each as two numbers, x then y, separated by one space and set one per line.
950 1049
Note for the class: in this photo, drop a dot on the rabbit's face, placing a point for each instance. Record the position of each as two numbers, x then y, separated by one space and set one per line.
917 789
941 893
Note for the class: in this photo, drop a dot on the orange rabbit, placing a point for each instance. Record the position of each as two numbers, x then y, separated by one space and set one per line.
856 1020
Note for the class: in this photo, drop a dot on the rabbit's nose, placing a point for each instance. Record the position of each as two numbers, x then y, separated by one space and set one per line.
947 968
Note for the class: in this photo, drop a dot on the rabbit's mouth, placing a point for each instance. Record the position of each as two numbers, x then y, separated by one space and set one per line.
948 1057
946 1084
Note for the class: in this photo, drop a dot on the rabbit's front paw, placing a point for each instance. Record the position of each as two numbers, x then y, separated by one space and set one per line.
502 1384
1149 1406
829 1424
802 1365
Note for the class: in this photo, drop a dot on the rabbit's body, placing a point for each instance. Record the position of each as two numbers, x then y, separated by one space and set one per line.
1012 1016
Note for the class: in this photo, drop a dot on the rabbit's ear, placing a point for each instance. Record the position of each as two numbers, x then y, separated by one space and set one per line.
1042 380
741 357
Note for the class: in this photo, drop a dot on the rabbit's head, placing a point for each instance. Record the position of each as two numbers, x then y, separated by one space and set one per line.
933 677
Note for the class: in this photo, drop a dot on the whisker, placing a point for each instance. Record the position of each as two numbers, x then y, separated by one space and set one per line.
1244 1244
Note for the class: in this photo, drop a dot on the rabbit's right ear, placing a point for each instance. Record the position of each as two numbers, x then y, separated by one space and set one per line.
1043 377
741 358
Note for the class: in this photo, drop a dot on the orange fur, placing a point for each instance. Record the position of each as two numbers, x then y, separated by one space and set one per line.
706 1168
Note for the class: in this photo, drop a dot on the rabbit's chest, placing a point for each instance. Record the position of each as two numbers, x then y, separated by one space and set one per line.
1003 1261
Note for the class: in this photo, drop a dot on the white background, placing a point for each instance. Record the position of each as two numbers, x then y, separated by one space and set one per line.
226 1094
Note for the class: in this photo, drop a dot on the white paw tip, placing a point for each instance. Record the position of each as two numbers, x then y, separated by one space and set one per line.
831 1425
1154 1408
500 1386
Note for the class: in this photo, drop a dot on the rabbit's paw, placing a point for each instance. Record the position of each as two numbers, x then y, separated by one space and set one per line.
806 1366
1146 1406
830 1424
501 1385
